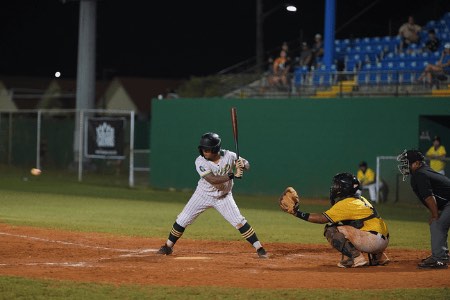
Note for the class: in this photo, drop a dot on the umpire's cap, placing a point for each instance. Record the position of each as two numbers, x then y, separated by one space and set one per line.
414 155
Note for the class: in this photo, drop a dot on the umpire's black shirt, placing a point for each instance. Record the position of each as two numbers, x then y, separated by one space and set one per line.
425 182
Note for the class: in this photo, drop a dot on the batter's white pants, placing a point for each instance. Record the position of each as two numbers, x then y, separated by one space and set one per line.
200 202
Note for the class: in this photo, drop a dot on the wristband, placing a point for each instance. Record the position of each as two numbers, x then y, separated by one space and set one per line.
231 175
302 215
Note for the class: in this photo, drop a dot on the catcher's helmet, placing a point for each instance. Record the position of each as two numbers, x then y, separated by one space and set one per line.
210 141
343 185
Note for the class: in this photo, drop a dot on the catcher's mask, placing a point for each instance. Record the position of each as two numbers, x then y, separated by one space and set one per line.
406 158
209 141
344 185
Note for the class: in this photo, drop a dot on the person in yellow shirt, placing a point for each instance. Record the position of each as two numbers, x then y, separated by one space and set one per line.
366 177
436 155
354 225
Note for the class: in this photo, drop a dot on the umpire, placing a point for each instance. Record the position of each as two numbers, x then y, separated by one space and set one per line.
433 190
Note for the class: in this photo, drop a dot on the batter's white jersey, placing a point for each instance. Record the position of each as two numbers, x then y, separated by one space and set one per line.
208 195
224 166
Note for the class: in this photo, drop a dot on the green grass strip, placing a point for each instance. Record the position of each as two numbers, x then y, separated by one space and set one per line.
62 203
21 288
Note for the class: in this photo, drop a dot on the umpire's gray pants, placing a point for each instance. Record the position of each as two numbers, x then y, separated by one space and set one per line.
439 234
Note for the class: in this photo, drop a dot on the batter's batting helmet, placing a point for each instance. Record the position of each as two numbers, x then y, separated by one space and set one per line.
210 141
343 185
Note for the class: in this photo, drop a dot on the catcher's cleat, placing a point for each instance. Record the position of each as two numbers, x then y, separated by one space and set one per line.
262 253
356 262
431 263
165 250
378 259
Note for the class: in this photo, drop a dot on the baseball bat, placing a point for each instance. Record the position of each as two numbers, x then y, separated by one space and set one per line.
234 123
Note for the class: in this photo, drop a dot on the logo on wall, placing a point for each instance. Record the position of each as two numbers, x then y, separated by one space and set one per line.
105 135
105 138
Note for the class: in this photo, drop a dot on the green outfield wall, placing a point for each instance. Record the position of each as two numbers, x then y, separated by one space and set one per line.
296 142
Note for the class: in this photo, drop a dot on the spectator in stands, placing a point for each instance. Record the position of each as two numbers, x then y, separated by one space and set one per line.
367 178
306 56
440 69
285 47
289 59
433 43
436 154
409 33
317 49
271 59
280 71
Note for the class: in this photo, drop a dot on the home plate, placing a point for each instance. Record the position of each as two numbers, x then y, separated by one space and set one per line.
192 257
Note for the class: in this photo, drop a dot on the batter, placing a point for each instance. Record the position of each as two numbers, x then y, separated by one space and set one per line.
214 189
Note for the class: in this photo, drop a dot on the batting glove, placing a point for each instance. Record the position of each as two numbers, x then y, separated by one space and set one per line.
239 173
240 163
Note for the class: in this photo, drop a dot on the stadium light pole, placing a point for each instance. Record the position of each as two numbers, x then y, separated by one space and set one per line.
85 90
260 17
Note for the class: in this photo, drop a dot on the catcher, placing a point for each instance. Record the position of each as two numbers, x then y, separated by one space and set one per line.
355 225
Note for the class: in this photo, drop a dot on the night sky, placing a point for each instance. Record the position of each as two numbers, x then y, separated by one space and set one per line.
178 39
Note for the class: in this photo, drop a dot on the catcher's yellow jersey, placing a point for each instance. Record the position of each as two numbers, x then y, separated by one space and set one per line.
354 209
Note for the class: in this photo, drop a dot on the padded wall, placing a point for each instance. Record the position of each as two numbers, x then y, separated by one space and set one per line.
297 142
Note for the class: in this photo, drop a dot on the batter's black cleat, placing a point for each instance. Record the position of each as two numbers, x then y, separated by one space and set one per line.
431 263
262 253
165 250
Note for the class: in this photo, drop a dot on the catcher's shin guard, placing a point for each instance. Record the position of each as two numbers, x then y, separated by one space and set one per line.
176 232
340 243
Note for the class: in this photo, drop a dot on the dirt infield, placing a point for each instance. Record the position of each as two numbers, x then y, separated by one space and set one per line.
50 254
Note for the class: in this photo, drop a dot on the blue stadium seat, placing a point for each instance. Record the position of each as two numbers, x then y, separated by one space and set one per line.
389 74
423 35
352 65
375 41
353 62
300 75
324 76
415 65
368 74
430 24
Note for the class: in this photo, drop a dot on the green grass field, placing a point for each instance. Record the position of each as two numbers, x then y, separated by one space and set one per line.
61 203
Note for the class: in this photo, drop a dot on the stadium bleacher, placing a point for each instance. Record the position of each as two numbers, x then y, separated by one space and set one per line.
376 60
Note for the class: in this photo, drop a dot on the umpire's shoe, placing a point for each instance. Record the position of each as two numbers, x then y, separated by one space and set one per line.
262 253
444 259
165 250
431 263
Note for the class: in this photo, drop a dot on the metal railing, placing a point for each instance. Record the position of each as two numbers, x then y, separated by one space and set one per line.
308 83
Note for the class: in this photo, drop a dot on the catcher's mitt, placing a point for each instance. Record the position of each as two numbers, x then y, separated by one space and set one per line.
289 201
